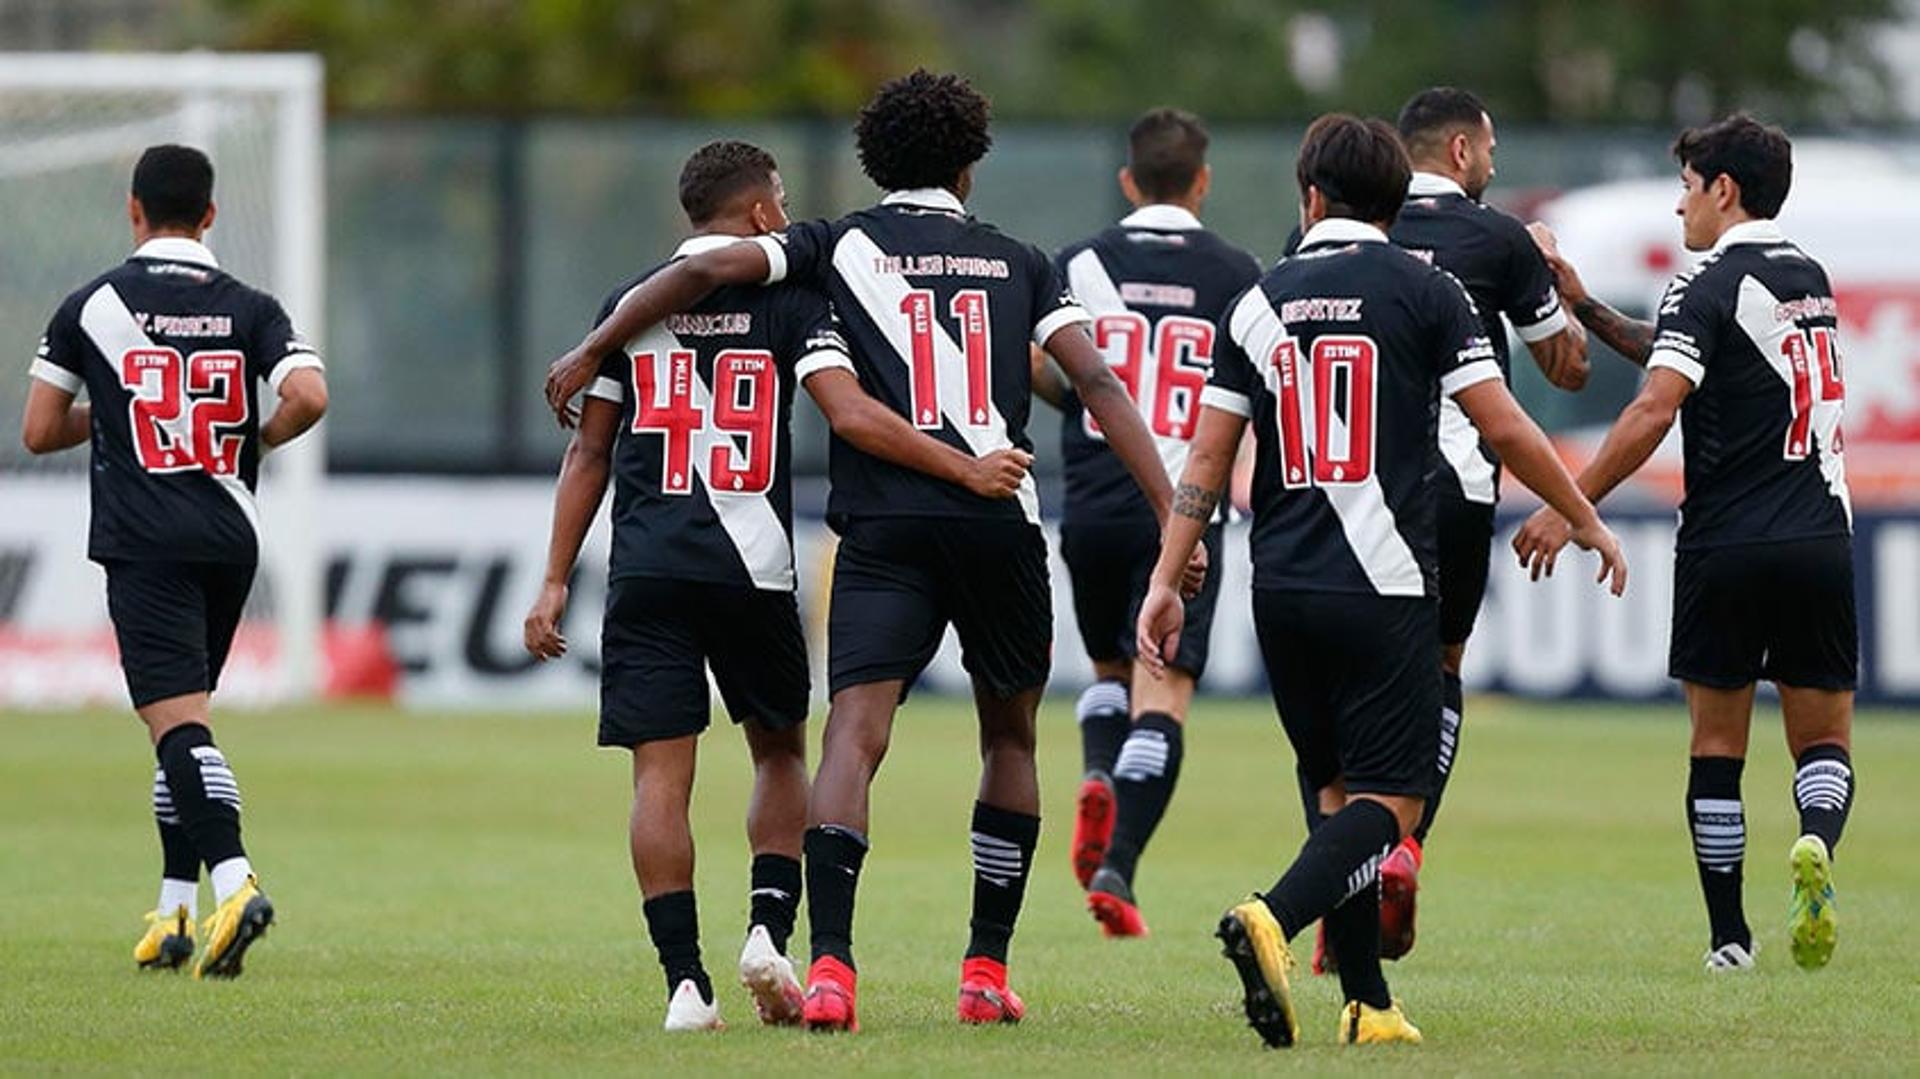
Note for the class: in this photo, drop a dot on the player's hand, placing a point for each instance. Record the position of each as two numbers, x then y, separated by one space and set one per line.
1540 540
1565 279
1600 539
1195 575
566 377
1157 635
999 474
542 627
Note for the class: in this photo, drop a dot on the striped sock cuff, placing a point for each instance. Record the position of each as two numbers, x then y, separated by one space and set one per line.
1103 698
163 810
1719 832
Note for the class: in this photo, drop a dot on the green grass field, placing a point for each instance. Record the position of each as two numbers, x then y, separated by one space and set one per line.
453 895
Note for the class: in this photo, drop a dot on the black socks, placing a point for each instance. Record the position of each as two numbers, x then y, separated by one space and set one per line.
833 859
1143 779
1719 825
202 793
1003 842
674 924
1823 792
1340 858
775 896
1103 710
1452 710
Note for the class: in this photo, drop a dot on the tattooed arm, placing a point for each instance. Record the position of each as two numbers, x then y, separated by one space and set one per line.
1630 337
1209 460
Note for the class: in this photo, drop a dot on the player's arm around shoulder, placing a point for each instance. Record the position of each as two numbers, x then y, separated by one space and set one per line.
584 472
1557 341
677 287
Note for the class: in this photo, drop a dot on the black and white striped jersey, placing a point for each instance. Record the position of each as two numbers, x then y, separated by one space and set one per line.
703 489
939 310
1156 285
171 351
1339 357
1489 252
1753 326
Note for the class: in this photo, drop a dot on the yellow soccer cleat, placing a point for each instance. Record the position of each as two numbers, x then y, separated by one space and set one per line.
1811 920
240 921
169 940
1251 940
1364 1024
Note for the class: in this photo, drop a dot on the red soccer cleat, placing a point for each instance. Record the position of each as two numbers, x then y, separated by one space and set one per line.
1111 902
1324 961
829 1000
1092 825
984 996
1399 887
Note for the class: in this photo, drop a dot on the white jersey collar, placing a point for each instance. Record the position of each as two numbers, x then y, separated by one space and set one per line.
929 198
1163 216
1761 231
706 241
177 249
1335 230
1432 183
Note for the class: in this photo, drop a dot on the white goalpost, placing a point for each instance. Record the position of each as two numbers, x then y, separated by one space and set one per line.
71 127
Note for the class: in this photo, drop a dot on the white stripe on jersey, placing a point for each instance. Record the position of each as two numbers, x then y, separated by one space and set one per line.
1460 446
1755 315
1373 535
748 520
881 295
105 320
1089 280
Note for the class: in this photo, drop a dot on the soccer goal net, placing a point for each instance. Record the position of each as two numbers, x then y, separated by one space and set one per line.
71 128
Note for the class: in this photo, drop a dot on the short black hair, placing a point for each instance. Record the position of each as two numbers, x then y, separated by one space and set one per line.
174 185
719 171
1359 166
922 130
1435 115
1166 149
1757 156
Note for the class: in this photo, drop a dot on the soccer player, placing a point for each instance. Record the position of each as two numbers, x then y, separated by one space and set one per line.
1339 357
1449 137
171 350
692 421
1155 284
939 310
1746 350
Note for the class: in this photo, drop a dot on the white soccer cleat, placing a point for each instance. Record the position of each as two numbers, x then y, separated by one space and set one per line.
1731 957
686 1011
768 975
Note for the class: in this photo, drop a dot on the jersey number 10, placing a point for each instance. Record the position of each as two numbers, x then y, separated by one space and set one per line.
1341 420
1804 351
746 389
173 429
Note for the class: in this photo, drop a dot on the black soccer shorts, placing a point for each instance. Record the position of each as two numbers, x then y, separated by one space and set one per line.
1110 564
1466 550
1357 681
899 581
174 622
1779 611
660 636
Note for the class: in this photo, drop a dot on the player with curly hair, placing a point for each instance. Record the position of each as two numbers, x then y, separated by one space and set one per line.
939 311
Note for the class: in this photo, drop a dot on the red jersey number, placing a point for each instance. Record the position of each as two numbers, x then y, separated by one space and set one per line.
746 394
1163 380
1341 421
186 413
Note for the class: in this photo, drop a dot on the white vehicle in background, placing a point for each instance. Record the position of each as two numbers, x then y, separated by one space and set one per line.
1855 207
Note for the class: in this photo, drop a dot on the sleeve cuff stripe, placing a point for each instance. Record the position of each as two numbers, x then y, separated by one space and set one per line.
825 360
1472 374
1056 320
1544 328
607 389
55 375
1673 361
1227 400
293 361
776 258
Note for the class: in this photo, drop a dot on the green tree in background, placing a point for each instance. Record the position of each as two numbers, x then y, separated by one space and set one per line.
1540 60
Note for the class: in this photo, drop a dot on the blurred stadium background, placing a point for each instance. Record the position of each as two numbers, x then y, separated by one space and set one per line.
492 168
